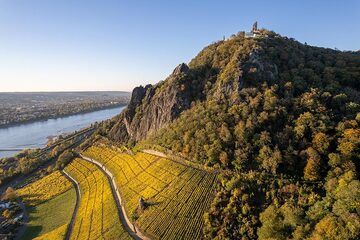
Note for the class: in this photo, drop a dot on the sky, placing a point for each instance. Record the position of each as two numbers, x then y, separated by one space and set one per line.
49 45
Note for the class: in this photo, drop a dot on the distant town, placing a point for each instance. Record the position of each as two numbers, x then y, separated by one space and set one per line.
16 108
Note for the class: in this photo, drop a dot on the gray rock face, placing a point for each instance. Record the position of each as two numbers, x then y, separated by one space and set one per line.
181 68
251 69
151 108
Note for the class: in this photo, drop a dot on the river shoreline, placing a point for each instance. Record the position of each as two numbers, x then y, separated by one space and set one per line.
43 119
36 134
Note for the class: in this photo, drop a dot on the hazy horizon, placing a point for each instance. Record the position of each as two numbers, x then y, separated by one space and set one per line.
62 46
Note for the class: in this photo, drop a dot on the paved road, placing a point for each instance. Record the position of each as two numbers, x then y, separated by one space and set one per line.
132 229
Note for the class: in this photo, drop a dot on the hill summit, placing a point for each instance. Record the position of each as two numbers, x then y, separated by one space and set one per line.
221 70
279 119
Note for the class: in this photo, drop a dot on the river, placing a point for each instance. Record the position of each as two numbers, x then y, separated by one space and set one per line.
35 134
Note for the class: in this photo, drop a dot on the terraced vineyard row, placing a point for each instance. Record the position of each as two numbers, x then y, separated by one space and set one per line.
97 216
177 195
44 188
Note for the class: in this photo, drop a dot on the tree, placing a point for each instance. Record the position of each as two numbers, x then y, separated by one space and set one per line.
10 194
269 159
64 159
321 142
225 134
312 168
272 225
224 159
213 151
304 125
350 141
241 132
6 214
270 100
334 160
331 228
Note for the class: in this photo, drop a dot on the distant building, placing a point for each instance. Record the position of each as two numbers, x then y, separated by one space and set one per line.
249 35
254 32
254 28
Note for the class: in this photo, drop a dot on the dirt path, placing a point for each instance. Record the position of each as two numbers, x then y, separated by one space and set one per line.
178 159
78 196
129 227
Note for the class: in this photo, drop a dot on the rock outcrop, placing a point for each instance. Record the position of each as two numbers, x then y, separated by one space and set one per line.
151 107
182 68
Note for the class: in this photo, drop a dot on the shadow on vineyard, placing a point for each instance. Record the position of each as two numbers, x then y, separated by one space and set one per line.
50 202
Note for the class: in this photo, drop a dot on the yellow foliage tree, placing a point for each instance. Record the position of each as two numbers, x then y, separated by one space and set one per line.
321 142
312 168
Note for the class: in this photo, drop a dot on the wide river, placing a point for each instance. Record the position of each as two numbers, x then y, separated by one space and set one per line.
35 134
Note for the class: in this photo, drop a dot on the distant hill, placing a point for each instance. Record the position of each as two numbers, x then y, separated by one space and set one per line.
279 119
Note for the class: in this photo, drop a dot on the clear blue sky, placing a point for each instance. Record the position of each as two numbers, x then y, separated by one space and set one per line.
50 45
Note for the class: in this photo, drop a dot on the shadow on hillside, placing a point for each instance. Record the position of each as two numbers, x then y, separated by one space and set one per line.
31 232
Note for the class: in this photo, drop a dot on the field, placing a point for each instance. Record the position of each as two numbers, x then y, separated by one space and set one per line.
177 195
97 216
50 203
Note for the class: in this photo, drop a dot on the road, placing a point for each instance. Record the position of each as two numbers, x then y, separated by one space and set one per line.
129 227
78 196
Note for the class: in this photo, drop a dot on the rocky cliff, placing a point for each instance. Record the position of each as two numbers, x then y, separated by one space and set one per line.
151 107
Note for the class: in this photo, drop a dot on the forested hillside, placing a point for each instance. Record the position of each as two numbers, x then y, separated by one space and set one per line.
278 118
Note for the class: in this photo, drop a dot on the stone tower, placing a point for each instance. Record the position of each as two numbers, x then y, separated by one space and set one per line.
254 28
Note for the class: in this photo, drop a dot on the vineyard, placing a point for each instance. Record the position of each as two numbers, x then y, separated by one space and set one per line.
97 216
176 195
50 202
44 188
57 234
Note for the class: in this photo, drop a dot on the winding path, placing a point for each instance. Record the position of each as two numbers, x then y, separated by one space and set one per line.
129 227
78 196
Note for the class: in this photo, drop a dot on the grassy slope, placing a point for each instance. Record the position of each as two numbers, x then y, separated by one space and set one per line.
51 216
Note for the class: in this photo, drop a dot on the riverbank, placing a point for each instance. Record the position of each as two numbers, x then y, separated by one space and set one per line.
35 135
42 119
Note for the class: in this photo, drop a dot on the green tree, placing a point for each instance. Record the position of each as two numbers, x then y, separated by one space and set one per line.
304 125
272 224
269 159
